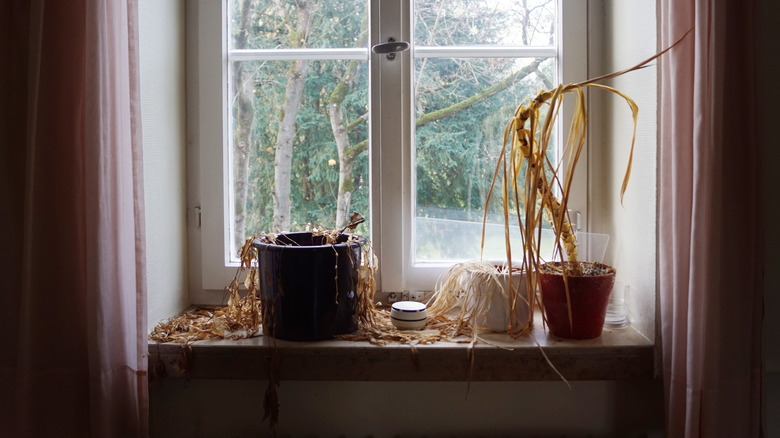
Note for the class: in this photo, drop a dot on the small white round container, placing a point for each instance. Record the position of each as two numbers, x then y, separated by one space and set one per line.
409 315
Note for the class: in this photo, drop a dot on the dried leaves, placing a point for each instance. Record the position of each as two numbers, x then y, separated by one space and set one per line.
380 331
239 319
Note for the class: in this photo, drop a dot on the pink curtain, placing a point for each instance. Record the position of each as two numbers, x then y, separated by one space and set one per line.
710 256
73 323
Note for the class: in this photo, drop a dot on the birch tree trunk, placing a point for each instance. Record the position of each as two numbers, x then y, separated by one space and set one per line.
340 134
296 78
345 164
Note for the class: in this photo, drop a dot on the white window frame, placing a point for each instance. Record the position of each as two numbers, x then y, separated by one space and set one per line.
395 186
391 166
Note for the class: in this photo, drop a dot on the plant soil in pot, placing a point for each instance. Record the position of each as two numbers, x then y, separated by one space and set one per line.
308 287
589 284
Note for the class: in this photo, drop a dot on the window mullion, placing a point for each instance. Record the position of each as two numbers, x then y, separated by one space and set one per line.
390 143
573 67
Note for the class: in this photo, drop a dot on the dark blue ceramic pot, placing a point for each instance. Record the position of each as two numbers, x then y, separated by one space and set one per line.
308 289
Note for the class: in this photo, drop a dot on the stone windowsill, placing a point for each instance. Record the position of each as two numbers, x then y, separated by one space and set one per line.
619 354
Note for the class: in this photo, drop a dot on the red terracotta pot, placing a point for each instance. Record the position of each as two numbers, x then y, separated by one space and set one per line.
589 296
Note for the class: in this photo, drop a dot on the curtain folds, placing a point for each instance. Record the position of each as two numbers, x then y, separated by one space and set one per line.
710 253
74 344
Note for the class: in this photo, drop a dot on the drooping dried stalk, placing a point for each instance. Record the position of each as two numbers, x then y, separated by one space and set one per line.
530 180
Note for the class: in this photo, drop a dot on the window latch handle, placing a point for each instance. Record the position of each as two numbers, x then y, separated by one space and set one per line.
390 48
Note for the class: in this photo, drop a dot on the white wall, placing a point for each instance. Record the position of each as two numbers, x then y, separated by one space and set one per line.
628 30
163 123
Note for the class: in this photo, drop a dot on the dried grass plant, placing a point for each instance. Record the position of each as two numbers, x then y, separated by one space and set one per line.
534 190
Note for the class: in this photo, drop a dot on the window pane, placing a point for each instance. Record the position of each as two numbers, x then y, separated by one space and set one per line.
298 127
303 122
280 24
462 107
484 22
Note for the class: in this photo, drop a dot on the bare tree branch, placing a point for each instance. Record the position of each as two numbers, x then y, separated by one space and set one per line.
479 97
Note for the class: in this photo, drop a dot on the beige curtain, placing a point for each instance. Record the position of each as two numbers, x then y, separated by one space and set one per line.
73 321
710 249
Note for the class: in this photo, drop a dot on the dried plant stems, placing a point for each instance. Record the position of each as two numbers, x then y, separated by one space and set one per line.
465 294
533 187
530 186
455 291
530 180
243 316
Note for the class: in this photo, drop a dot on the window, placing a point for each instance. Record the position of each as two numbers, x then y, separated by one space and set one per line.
299 123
